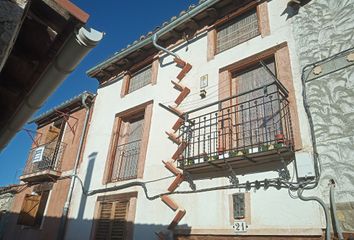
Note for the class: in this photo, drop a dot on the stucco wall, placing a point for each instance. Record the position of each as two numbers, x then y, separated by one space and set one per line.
271 209
322 29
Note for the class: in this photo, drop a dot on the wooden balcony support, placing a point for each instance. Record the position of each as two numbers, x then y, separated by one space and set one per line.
178 180
178 86
173 137
179 150
171 167
186 67
178 124
169 202
182 95
176 110
180 214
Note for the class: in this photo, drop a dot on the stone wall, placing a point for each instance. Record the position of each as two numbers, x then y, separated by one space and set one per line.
323 28
10 20
5 206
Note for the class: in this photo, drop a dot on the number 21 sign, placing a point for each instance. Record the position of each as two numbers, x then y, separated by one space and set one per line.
240 226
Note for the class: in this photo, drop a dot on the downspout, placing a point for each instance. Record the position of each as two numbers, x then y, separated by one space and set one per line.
71 54
154 41
188 15
178 21
64 216
336 227
325 209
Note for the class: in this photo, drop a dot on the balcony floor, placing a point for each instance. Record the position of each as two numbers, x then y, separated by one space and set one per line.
249 163
45 175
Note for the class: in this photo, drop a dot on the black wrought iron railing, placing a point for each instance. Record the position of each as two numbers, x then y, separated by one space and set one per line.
250 122
45 157
126 161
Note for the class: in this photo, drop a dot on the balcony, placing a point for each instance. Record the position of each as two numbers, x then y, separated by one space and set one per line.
126 160
249 132
44 163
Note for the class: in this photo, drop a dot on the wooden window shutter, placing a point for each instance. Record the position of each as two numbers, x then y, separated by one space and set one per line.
104 220
29 210
119 225
52 134
111 224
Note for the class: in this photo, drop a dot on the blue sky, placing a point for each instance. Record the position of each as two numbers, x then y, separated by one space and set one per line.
123 22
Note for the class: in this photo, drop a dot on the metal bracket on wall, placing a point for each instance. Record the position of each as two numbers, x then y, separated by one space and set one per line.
34 135
66 118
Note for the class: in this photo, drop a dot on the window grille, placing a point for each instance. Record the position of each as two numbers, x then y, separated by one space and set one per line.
140 79
127 152
239 205
239 30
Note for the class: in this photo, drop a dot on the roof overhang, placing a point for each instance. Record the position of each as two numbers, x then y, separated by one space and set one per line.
72 105
50 43
172 31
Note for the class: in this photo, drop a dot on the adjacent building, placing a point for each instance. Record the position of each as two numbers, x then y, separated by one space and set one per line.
38 209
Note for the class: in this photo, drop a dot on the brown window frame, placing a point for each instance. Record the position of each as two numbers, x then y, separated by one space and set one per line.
261 9
130 198
283 73
146 109
151 61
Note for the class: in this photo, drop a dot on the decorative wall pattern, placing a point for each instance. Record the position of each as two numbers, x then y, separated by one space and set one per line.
322 28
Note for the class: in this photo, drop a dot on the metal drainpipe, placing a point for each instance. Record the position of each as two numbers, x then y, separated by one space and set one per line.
323 205
64 216
154 41
191 13
336 227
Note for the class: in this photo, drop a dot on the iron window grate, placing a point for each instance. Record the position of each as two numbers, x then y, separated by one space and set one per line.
140 79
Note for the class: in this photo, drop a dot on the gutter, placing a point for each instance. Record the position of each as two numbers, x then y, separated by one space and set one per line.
64 216
71 54
188 15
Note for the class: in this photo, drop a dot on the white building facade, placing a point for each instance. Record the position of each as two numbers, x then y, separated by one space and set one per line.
226 170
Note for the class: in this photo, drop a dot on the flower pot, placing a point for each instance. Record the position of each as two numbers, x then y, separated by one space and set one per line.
279 138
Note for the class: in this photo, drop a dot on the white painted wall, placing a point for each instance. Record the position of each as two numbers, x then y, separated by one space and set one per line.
271 210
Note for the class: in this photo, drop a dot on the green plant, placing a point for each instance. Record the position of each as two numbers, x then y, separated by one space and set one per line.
279 145
233 153
264 148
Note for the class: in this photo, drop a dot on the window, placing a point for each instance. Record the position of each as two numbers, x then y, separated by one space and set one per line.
239 30
125 164
114 216
32 210
238 201
128 147
140 79
141 74
111 223
258 120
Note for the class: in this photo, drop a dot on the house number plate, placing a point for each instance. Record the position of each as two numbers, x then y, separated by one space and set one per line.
240 226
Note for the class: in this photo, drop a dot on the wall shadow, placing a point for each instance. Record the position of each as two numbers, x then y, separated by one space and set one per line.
50 225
